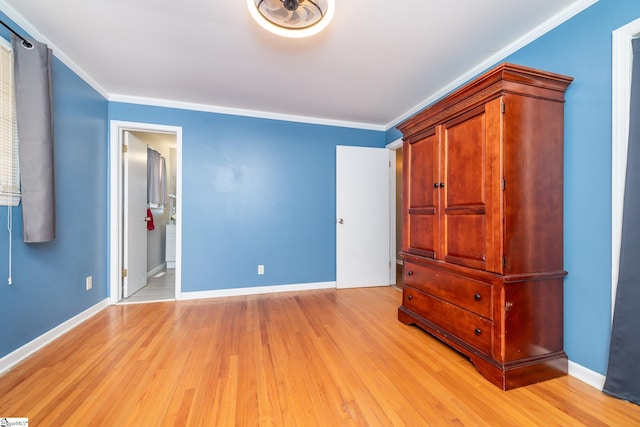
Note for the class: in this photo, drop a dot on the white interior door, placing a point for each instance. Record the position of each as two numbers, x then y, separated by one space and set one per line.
135 215
362 217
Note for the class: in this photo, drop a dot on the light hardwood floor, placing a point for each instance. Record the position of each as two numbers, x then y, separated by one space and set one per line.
317 358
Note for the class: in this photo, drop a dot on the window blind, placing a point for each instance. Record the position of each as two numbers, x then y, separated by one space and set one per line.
9 165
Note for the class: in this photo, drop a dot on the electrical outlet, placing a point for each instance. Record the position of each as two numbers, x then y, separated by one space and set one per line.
89 282
260 269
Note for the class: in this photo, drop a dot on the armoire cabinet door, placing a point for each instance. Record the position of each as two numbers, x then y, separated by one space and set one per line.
469 142
422 195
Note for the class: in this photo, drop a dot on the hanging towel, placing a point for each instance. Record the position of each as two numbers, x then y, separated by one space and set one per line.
150 225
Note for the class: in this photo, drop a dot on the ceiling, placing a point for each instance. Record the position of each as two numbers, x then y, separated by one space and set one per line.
378 61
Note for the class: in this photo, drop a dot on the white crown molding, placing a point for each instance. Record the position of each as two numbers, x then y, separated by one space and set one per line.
532 35
395 145
258 290
33 32
17 356
553 22
241 112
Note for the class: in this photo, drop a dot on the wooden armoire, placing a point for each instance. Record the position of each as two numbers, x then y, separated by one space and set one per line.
482 223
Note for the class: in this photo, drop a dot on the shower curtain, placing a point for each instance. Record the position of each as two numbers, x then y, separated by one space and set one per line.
156 179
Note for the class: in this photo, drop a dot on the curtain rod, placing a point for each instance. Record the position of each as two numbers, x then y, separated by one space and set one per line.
25 42
153 149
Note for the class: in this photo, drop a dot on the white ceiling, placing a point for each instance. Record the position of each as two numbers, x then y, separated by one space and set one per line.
377 62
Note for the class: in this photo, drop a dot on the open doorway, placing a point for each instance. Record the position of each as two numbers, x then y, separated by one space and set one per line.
145 234
157 281
396 211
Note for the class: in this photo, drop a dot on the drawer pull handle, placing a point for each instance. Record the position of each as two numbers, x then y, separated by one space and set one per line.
478 331
409 273
410 297
477 296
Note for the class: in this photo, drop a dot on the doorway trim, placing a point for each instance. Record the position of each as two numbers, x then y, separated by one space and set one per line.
393 147
117 128
621 68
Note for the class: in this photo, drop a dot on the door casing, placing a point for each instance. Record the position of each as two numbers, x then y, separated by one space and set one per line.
117 129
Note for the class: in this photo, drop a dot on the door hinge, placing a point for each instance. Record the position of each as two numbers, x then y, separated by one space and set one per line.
504 261
125 148
503 108
124 272
503 184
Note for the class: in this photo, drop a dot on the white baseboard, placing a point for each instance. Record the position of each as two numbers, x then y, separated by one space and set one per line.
156 270
257 290
17 356
586 375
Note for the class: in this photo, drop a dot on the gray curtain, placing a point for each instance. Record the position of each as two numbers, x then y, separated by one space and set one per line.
33 90
156 178
623 373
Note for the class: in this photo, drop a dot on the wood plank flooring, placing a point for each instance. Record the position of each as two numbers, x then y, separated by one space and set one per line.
316 358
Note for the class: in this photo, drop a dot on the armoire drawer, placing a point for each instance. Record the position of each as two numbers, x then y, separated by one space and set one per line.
467 293
467 326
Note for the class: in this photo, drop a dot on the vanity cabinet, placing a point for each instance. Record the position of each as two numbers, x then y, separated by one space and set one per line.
482 223
170 246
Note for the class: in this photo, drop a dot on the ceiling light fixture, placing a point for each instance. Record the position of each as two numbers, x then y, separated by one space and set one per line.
292 18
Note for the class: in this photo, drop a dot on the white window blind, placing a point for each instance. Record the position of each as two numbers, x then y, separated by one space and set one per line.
9 166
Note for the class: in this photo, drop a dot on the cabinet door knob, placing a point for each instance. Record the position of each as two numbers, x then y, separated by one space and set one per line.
435 185
441 185
409 273
478 331
410 297
477 296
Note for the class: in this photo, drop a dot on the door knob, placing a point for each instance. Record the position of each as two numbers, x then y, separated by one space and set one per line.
340 221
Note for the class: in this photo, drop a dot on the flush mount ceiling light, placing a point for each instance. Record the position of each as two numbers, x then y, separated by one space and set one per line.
292 18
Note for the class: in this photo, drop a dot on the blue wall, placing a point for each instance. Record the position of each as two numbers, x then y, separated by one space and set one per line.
49 278
255 191
581 48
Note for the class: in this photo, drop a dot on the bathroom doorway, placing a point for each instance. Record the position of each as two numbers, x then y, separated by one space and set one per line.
158 269
145 229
